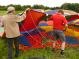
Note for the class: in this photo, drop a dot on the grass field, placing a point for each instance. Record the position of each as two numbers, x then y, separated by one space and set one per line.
70 53
47 53
4 12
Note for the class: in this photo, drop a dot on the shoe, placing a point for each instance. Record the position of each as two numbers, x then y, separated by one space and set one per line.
62 52
53 49
16 55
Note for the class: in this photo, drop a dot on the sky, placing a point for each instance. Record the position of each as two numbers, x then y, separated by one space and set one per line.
49 3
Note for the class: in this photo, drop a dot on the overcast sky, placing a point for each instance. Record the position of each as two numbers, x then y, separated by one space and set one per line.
49 3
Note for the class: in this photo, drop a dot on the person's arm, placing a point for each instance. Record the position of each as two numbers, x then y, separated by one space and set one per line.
66 26
21 17
65 23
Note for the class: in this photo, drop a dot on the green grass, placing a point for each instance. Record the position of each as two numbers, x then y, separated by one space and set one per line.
70 53
4 12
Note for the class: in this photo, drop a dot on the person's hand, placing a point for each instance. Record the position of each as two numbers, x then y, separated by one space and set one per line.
21 34
65 29
66 26
26 10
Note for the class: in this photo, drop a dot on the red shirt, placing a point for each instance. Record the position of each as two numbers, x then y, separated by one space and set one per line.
58 21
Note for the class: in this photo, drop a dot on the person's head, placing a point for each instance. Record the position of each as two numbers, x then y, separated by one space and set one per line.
61 11
10 9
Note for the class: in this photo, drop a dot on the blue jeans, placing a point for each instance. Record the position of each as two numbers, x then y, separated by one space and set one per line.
10 46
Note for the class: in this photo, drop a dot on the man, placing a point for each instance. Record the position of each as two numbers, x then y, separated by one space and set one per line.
11 29
59 21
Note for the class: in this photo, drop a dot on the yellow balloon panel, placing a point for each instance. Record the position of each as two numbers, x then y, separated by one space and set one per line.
69 32
47 28
76 33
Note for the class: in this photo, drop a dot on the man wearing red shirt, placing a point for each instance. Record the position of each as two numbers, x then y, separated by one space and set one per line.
59 25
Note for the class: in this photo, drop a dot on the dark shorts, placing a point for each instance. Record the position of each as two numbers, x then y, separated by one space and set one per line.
58 34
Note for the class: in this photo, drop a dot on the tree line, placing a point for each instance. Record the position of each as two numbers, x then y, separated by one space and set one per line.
67 6
71 6
20 8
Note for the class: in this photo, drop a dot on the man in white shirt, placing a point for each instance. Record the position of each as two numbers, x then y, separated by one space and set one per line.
11 29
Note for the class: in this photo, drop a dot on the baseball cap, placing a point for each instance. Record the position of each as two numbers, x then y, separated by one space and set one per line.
10 8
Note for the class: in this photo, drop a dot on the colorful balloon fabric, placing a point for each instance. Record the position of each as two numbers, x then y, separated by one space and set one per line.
46 25
34 31
35 37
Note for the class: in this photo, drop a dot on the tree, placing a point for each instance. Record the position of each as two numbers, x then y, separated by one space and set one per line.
71 6
25 7
3 7
38 7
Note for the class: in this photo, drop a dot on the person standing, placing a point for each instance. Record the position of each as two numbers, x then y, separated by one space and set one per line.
11 30
59 26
